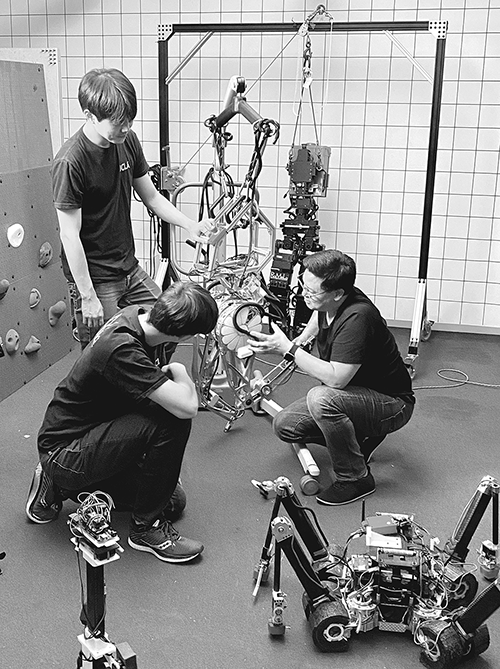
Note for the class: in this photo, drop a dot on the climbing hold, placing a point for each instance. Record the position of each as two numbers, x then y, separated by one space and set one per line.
35 297
11 341
45 254
56 311
15 235
4 287
32 346
2 352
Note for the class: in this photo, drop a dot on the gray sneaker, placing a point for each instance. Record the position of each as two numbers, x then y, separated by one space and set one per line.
166 543
44 501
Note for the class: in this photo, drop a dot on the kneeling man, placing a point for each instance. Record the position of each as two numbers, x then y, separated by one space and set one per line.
365 389
120 424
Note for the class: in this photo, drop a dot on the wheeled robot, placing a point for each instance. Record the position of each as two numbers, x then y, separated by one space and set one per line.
401 582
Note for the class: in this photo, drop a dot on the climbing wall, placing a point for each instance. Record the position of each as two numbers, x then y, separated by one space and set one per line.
35 320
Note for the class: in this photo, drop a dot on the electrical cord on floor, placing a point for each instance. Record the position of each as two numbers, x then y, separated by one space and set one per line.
456 383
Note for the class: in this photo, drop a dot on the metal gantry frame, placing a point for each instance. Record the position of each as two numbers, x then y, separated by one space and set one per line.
421 325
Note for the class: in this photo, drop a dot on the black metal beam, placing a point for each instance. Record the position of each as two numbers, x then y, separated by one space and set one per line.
164 232
361 26
163 100
432 158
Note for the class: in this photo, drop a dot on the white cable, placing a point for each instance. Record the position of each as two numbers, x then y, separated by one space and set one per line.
456 382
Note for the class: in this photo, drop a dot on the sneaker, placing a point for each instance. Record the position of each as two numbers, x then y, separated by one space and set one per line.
368 446
163 540
344 492
44 501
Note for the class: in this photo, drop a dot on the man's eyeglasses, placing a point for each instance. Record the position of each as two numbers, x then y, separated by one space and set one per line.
311 293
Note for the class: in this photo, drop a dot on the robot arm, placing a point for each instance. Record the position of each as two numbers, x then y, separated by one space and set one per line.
323 603
457 545
284 535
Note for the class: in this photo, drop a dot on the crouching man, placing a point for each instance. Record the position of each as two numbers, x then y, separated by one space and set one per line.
365 390
120 424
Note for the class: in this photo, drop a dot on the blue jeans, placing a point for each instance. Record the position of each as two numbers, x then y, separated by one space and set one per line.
340 419
135 288
141 451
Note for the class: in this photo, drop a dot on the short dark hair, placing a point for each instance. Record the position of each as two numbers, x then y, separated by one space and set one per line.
336 269
184 308
108 94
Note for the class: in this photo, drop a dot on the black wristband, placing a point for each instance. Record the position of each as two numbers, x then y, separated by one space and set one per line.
290 355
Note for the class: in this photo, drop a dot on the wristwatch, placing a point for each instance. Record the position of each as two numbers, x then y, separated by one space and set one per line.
290 355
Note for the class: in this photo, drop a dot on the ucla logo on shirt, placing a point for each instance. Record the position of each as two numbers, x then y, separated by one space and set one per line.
124 166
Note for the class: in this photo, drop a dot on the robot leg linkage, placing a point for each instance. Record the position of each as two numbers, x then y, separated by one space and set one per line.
276 623
321 555
457 546
313 541
445 642
204 367
284 536
264 386
322 601
484 605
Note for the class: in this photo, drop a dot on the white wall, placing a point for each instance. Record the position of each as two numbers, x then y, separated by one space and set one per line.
371 106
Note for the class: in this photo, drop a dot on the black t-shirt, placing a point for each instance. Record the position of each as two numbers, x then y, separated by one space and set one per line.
359 335
114 375
99 181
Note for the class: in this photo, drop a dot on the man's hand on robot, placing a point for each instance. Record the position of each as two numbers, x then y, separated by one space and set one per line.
202 232
276 342
207 227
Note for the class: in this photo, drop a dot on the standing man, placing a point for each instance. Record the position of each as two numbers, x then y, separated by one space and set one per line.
92 176
365 390
120 424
